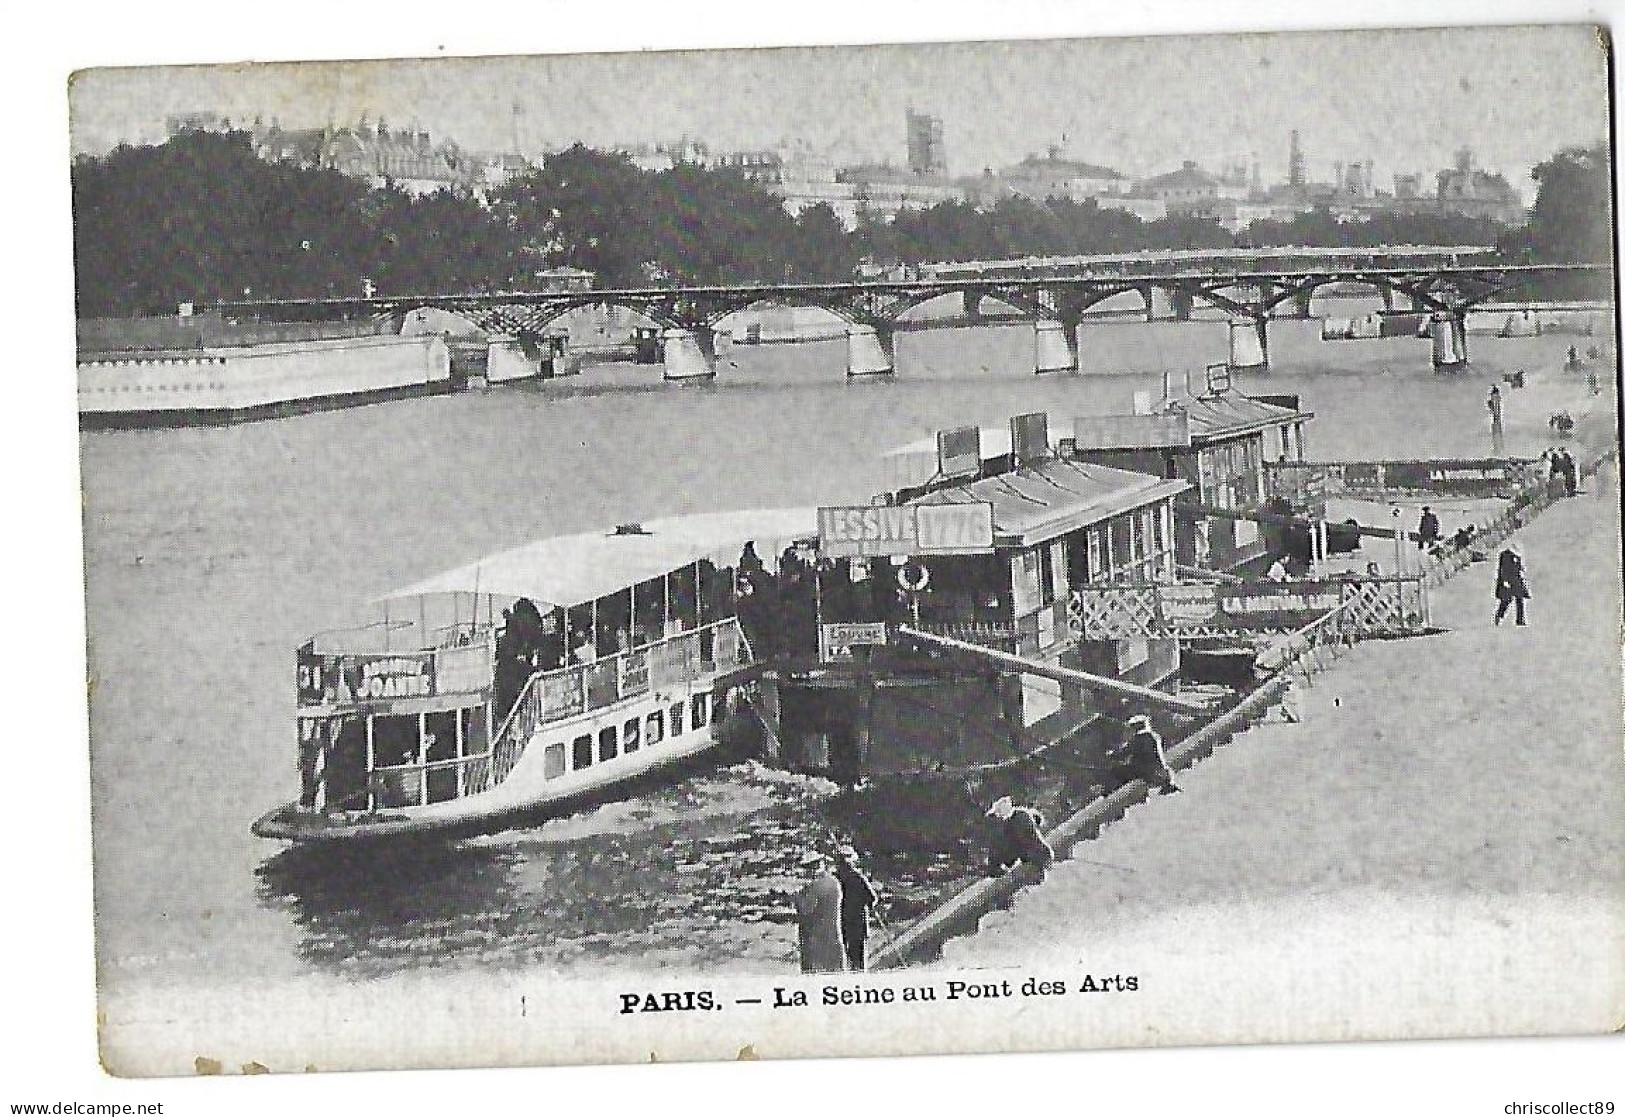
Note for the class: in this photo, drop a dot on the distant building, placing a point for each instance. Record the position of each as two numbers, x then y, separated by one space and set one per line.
886 191
1189 190
765 167
1467 190
926 153
1052 176
407 158
565 278
1407 187
842 199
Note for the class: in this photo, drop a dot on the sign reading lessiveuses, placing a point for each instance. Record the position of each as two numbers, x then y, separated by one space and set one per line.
920 529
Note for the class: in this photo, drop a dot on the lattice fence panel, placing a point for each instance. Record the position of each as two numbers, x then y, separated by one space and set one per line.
1116 614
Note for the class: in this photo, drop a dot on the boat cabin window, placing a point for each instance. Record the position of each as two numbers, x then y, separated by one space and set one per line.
716 592
700 710
682 603
606 743
553 762
963 589
394 740
629 735
676 719
614 632
551 649
1121 558
394 744
473 718
440 743
648 612
345 775
654 728
579 634
581 752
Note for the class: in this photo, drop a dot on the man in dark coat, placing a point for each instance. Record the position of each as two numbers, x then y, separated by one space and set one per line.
818 919
1510 584
1427 531
1017 837
1146 759
1571 479
858 898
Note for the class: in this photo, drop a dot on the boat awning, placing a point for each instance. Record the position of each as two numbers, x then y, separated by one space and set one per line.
572 569
1038 503
1231 414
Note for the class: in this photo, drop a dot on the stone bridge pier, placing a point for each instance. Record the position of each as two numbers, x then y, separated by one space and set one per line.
1448 331
1250 344
1055 345
689 353
870 351
1183 303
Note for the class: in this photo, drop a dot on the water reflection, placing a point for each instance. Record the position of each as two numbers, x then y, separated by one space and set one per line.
703 870
680 870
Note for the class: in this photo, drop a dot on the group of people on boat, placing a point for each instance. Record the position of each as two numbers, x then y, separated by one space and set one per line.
528 642
777 611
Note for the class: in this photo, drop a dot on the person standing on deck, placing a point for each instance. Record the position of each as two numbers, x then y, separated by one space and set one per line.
1510 584
858 898
1147 760
1427 529
818 919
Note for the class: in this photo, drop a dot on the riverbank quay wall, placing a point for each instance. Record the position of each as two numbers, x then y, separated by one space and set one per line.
230 384
1295 659
1450 863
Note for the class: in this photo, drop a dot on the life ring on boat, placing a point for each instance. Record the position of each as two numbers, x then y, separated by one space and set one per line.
913 577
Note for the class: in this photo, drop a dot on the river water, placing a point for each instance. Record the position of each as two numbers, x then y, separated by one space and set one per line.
211 554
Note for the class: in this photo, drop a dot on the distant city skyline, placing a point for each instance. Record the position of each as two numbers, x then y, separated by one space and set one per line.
1404 99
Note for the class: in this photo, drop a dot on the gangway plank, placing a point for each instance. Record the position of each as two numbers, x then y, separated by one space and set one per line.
1059 674
1258 515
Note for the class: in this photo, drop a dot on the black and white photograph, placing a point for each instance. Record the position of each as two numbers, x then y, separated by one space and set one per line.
967 545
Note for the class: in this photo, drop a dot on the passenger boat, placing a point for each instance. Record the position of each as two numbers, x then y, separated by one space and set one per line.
530 681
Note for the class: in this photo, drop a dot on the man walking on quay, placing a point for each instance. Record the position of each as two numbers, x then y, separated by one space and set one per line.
818 919
1146 758
1497 432
858 898
1571 477
1427 531
1510 584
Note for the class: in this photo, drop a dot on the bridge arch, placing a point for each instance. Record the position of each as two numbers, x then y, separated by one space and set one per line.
531 318
717 315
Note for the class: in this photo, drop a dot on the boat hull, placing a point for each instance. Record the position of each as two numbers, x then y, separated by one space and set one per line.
292 823
532 791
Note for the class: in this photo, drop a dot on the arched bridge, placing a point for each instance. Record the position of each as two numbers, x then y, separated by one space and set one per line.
1055 303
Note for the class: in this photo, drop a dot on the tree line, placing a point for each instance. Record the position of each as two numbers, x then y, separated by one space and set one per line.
201 218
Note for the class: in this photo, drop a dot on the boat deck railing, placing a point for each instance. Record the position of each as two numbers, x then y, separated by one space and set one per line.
554 695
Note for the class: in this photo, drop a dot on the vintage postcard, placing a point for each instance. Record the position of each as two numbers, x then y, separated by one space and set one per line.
968 547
